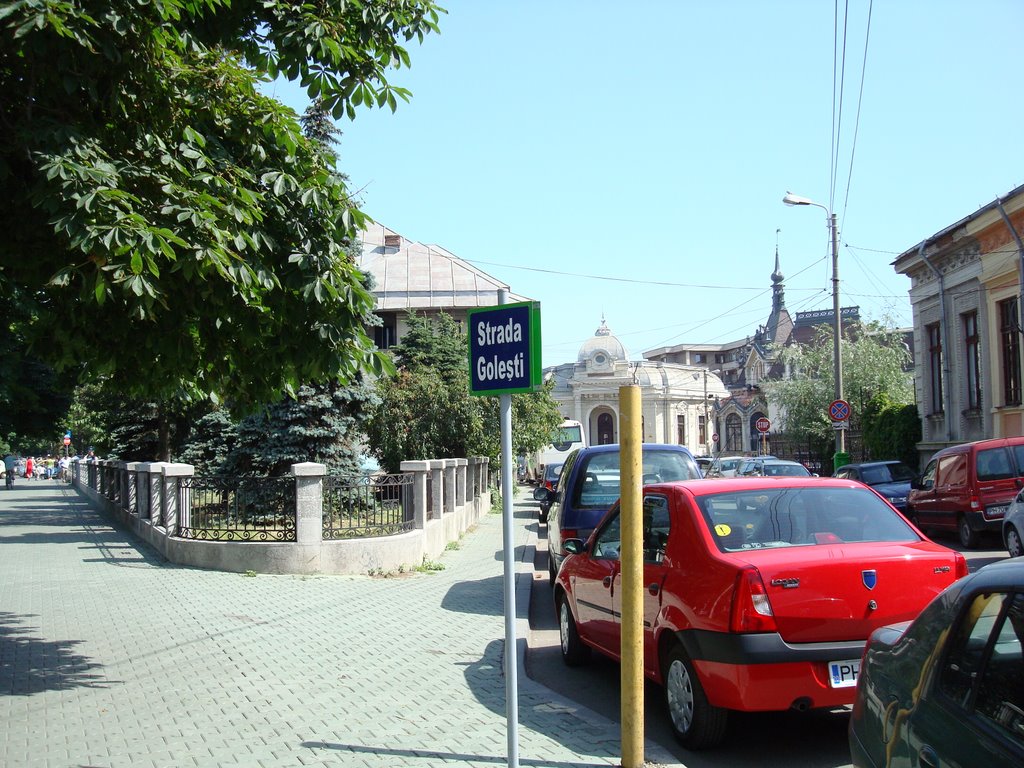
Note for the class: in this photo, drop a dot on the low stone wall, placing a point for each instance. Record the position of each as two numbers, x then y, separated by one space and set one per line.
145 497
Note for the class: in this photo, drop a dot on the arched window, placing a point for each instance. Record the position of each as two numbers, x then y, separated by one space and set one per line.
605 429
733 433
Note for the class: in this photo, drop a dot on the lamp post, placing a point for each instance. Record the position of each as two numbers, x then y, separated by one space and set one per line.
707 417
837 354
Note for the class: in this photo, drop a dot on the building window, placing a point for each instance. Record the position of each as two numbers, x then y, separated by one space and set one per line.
1009 342
733 433
681 430
934 366
972 361
384 335
702 437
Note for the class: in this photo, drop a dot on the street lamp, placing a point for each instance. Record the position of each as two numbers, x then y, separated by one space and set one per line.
837 355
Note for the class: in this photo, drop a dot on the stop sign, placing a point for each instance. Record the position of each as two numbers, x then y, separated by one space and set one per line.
762 425
67 441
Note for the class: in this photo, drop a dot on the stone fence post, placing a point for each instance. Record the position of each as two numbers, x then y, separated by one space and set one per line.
460 482
449 486
154 482
419 471
137 496
176 506
309 502
437 487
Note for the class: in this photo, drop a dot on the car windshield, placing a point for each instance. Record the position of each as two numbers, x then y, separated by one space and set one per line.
600 486
887 473
790 517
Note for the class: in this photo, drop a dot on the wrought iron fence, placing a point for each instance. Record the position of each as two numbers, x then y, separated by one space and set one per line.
367 505
233 509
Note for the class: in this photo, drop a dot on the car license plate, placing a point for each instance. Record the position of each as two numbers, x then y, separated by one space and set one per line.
994 513
843 674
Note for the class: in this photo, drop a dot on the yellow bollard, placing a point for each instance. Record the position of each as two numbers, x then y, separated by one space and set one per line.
632 563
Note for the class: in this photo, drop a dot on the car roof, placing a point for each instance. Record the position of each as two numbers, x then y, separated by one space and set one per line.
714 485
647 447
1002 573
870 463
979 444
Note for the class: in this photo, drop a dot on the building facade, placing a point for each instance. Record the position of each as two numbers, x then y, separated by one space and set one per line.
745 363
965 295
410 276
677 400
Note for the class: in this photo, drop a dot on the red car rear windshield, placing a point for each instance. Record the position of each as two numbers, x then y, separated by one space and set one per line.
793 517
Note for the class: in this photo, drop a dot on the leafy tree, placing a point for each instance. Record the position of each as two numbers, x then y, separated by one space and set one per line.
320 424
210 443
874 365
892 431
165 223
438 344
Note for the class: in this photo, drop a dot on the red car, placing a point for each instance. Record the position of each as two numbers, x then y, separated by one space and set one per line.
759 593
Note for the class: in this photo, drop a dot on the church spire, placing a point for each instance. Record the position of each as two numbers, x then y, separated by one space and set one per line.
778 297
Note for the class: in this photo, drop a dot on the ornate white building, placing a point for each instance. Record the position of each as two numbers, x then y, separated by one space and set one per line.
677 400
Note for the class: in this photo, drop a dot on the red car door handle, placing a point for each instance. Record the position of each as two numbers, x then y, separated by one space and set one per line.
653 588
607 581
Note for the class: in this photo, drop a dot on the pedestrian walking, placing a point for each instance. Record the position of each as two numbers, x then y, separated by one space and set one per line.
30 467
10 470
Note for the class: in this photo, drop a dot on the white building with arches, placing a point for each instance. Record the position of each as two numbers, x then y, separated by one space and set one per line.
677 400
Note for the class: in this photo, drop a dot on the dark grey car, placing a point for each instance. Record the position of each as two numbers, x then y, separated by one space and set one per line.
892 479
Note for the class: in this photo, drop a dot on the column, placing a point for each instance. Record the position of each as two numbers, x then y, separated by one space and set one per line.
309 502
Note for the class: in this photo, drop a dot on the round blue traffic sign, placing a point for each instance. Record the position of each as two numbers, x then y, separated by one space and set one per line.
839 410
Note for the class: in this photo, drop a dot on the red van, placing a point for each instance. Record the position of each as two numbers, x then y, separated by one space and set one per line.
967 488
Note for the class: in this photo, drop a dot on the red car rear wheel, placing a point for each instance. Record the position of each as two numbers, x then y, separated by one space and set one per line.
696 723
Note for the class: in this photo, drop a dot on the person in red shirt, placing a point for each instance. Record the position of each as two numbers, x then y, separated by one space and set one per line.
30 468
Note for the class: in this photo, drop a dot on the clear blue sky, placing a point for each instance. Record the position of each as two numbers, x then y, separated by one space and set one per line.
570 147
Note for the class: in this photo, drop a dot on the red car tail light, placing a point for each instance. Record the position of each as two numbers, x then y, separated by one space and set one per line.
961 565
975 502
751 611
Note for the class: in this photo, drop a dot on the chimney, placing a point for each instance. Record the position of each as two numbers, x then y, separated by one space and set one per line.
392 243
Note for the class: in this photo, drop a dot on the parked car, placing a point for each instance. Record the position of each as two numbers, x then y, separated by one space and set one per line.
948 688
704 464
1013 526
589 485
892 479
761 593
967 488
550 482
763 466
725 466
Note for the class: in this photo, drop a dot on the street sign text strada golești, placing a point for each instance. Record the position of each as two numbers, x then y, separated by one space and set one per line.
504 349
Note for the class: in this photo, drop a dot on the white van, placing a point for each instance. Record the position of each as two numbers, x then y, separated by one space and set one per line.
565 439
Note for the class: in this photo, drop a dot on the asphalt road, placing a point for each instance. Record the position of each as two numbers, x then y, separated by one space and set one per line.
814 739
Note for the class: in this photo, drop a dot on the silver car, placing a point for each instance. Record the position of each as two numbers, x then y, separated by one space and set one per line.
1013 526
724 466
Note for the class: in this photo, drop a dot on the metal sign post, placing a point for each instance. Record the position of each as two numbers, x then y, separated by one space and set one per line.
504 358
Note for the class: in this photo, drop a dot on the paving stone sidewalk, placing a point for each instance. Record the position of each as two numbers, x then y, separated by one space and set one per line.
110 656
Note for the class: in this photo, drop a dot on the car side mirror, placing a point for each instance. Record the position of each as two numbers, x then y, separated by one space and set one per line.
574 546
542 494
